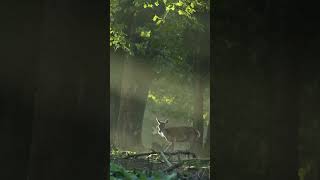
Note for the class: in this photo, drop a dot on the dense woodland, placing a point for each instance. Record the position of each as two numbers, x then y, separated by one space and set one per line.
54 89
159 67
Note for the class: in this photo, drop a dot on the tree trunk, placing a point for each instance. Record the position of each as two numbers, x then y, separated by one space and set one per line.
116 67
70 130
207 142
20 26
201 67
134 90
198 101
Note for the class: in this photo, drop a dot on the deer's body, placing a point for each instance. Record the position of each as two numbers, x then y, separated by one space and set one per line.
176 134
180 134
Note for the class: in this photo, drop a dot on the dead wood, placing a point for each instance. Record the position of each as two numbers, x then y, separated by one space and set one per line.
166 153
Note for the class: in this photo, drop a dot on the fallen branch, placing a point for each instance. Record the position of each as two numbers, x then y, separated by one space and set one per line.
202 160
166 153
165 159
140 154
182 152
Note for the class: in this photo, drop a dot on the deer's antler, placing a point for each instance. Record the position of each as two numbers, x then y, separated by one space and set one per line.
157 120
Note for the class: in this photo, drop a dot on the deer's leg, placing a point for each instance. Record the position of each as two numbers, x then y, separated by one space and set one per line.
169 144
173 145
192 142
166 148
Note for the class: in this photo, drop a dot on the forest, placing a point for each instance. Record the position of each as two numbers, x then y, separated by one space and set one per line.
159 72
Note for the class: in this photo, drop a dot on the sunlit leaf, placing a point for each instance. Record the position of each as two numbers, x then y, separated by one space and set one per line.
159 22
180 12
179 3
155 18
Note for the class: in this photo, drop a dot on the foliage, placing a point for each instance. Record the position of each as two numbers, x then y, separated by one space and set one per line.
118 172
160 32
164 100
158 29
155 29
116 153
188 168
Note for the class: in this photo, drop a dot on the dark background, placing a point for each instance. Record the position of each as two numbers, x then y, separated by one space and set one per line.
266 90
53 87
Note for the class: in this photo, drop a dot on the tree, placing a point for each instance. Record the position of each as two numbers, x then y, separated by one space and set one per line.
116 71
134 90
201 59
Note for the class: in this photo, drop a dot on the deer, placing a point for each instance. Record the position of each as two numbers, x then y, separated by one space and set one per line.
175 134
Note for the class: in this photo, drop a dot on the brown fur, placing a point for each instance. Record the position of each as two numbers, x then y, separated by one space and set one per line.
181 134
177 134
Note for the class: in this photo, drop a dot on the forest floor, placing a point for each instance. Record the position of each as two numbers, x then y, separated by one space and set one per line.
158 165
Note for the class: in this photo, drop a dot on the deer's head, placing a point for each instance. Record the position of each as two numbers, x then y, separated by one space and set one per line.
161 125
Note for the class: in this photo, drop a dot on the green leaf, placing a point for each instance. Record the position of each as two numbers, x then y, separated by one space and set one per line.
180 12
165 1
155 18
156 3
159 22
148 33
179 3
145 34
167 9
145 6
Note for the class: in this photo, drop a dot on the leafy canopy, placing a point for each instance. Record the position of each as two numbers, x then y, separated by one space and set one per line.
155 29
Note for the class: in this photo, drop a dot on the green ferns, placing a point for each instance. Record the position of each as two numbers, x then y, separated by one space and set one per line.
118 172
